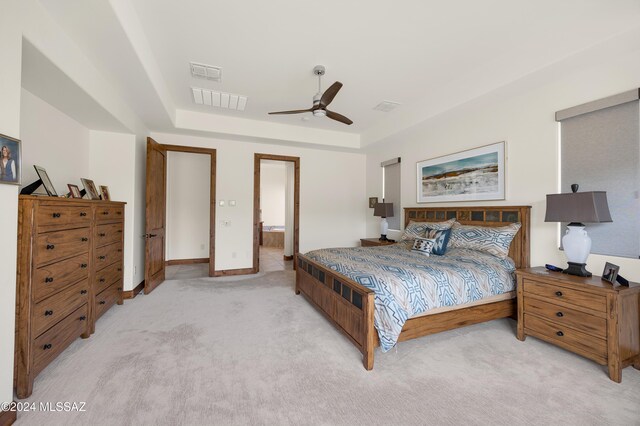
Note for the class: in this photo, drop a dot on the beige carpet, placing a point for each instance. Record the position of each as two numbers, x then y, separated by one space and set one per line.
235 352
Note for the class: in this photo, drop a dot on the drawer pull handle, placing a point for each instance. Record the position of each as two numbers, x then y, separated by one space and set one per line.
119 231
83 214
48 280
83 265
560 333
82 318
119 288
102 257
102 235
559 314
50 246
83 291
119 269
48 313
119 213
101 280
47 346
84 239
559 293
56 215
119 250
102 302
105 213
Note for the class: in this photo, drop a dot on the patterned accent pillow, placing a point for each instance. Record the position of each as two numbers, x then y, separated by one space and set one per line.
418 229
441 239
423 245
495 241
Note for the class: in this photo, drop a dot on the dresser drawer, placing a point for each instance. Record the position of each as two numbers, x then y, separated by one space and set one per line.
107 255
52 309
50 279
50 215
558 333
61 244
107 298
108 233
107 276
109 213
568 317
50 344
557 293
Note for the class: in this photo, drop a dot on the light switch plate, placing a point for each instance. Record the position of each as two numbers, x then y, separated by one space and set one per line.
221 203
232 203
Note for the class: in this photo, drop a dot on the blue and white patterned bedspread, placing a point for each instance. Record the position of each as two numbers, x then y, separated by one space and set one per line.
407 283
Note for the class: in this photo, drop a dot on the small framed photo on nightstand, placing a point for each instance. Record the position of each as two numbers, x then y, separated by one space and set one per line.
610 272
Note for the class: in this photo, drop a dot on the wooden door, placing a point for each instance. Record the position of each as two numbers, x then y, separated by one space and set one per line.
155 214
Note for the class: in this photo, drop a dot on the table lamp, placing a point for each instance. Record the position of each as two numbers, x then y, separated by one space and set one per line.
577 208
383 210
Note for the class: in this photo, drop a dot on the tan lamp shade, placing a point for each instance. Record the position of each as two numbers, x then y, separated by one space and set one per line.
589 207
383 210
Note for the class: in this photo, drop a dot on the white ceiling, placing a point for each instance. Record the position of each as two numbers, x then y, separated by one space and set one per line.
410 51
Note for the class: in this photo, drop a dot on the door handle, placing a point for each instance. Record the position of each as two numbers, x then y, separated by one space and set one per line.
150 235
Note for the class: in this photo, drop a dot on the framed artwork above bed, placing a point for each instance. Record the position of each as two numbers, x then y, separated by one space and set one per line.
475 174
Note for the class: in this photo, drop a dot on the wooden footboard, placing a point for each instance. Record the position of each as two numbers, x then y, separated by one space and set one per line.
347 304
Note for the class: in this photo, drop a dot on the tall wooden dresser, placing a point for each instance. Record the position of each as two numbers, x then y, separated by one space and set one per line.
70 271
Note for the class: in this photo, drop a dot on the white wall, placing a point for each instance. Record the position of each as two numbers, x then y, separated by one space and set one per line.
272 192
52 140
188 209
522 114
332 204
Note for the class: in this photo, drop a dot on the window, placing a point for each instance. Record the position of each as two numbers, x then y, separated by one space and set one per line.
391 190
600 151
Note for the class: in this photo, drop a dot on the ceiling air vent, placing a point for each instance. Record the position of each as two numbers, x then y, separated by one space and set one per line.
218 99
206 71
386 106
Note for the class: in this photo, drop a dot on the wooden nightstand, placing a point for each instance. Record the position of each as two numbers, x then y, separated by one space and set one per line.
587 316
371 242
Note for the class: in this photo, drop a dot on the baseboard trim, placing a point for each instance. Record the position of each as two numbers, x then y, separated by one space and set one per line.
187 261
229 272
7 418
130 294
287 258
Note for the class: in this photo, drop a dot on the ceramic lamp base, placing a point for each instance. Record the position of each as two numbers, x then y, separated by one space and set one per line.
578 269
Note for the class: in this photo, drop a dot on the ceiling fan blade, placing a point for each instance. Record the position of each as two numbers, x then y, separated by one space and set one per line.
296 111
338 117
330 93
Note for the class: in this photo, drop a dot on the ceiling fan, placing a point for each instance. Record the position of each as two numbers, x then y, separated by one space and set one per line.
321 101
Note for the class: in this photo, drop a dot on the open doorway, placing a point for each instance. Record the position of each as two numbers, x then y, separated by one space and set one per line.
276 211
156 210
188 221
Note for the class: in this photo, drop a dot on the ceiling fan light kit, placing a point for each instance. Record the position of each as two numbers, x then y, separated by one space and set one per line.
322 100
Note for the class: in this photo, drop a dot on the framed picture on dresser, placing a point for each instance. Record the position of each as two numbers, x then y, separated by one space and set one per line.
90 187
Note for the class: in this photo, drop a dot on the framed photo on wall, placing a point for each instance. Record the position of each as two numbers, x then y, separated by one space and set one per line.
90 187
475 174
10 160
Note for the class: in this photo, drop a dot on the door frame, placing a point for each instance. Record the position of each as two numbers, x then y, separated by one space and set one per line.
256 204
212 195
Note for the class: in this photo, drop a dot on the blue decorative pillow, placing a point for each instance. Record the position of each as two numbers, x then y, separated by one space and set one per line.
418 229
441 239
493 240
423 245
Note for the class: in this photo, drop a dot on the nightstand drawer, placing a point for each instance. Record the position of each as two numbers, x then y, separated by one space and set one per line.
557 293
585 343
562 316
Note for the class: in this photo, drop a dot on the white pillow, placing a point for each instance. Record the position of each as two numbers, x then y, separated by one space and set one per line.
423 245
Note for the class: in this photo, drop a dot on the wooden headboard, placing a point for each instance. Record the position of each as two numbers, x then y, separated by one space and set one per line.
483 216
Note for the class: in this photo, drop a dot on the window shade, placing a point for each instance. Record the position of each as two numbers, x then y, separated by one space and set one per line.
600 151
392 191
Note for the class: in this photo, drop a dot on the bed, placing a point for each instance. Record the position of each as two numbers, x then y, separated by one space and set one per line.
350 306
